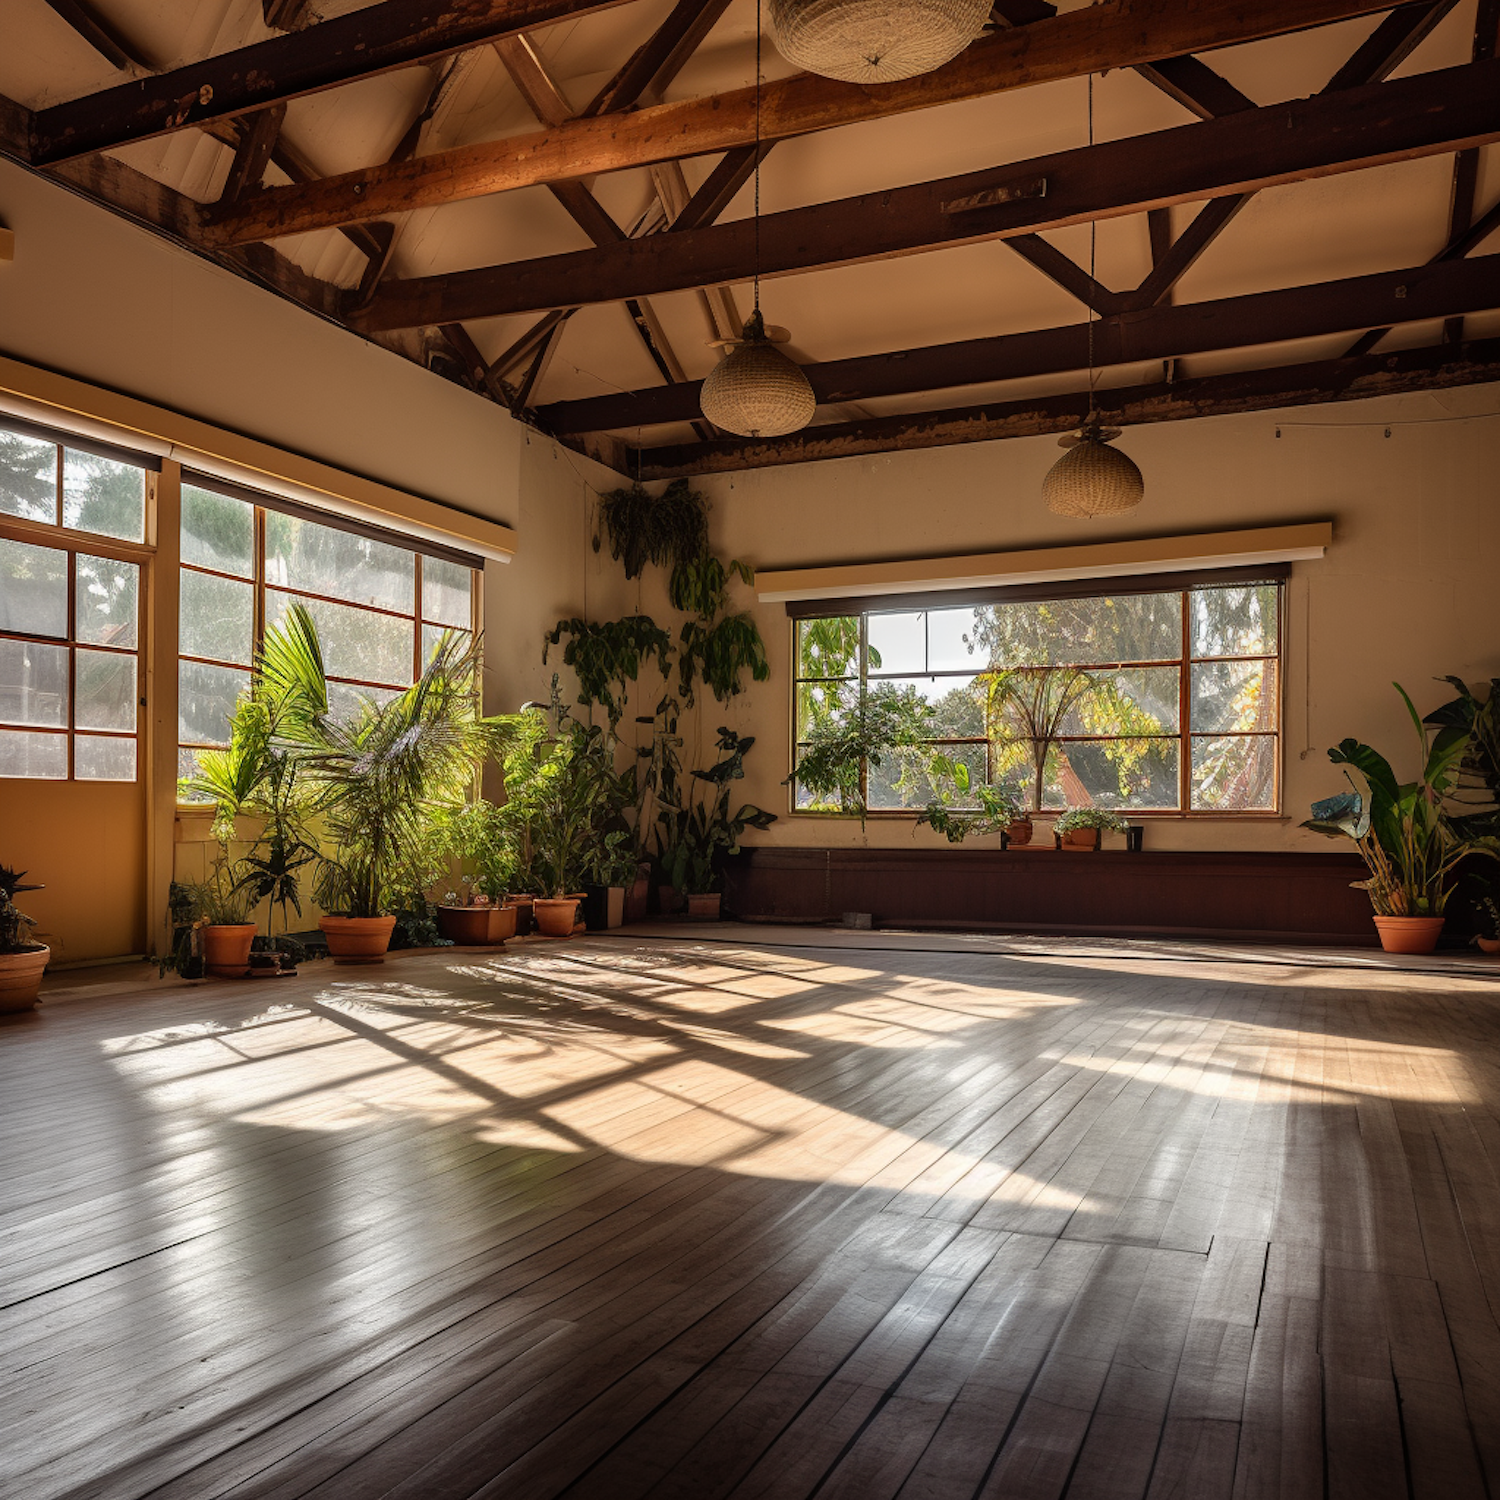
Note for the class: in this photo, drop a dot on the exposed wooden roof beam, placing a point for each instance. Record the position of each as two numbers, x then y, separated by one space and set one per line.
1390 44
1067 273
1428 114
734 170
100 33
529 74
1174 263
1112 34
1196 87
659 59
1437 367
390 34
284 15
253 154
1329 307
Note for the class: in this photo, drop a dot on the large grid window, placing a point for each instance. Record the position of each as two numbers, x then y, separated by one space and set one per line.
69 615
380 608
1152 702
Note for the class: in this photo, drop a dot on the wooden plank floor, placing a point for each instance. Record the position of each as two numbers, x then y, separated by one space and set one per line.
629 1217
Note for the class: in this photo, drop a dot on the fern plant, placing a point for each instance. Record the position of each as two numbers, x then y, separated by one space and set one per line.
669 529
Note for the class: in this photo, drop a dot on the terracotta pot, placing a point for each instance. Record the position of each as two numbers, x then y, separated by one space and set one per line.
1080 838
21 978
1409 934
226 950
357 940
556 916
525 917
477 926
1020 831
705 908
1488 945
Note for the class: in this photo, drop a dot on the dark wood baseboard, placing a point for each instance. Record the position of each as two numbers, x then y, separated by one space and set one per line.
1268 897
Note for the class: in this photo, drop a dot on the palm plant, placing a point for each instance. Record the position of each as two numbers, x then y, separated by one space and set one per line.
1409 842
380 776
1028 706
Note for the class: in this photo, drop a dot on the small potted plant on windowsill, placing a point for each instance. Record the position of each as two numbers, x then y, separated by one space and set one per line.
22 960
991 809
1081 827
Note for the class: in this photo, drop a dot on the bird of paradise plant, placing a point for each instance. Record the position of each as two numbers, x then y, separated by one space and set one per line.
1407 838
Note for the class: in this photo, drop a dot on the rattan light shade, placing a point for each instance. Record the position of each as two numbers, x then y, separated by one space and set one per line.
1093 479
756 391
875 41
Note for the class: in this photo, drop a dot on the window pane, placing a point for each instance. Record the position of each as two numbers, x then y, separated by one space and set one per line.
356 643
33 683
98 759
104 496
28 478
1235 621
901 780
1131 701
828 648
898 643
952 643
1234 695
33 589
957 703
215 617
205 700
107 598
446 592
187 767
345 700
322 560
1134 773
104 690
1235 774
432 634
1135 627
218 531
43 757
818 702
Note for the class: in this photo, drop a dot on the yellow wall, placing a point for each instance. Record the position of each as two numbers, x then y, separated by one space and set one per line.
86 842
1406 593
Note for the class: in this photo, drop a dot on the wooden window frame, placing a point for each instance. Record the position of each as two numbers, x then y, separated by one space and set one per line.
1182 583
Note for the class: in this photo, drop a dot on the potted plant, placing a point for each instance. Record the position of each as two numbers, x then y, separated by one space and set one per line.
1081 827
1409 843
699 834
998 808
477 913
223 905
1488 937
613 867
22 960
560 803
381 775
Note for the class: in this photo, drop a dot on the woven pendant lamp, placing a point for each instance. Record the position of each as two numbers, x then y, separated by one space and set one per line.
1091 478
755 390
875 41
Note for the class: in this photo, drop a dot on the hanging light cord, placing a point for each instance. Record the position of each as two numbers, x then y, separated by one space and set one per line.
757 154
1093 254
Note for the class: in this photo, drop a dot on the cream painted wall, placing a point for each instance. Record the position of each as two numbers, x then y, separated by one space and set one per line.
93 296
1406 593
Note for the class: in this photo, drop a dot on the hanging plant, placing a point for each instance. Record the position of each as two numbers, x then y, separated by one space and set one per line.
669 529
606 656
